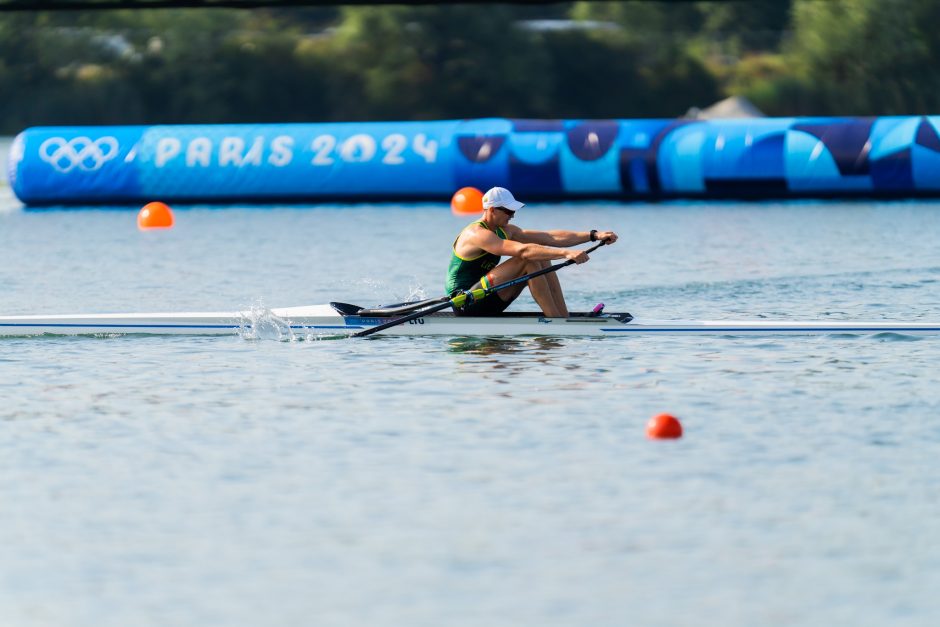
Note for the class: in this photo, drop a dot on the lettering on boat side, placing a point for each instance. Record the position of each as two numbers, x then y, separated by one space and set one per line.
365 321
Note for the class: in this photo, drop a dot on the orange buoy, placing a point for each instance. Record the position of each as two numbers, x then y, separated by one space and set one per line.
467 200
155 215
663 426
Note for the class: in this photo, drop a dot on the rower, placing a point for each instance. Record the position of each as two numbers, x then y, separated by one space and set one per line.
475 261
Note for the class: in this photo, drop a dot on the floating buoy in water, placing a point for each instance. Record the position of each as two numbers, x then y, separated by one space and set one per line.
155 215
663 427
467 200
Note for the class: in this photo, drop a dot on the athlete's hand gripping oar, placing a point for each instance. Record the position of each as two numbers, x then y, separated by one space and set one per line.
478 294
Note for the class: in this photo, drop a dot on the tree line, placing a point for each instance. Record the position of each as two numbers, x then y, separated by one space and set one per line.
574 60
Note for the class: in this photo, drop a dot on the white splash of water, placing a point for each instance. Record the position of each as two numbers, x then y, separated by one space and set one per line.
260 323
416 292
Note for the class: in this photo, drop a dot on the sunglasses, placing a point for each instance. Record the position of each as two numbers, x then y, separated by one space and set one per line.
508 212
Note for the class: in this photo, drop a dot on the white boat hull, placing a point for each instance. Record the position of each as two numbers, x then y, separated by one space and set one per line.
323 320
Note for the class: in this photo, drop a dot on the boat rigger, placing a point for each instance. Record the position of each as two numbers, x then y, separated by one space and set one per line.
339 319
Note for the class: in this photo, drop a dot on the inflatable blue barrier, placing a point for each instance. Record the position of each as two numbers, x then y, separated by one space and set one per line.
627 159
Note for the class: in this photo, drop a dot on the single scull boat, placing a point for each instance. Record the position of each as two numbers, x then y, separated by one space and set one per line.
343 319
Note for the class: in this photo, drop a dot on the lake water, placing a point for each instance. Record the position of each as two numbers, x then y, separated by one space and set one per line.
448 481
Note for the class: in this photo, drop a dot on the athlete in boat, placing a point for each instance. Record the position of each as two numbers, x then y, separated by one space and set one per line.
475 261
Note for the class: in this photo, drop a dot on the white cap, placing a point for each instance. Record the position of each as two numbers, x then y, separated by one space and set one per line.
501 197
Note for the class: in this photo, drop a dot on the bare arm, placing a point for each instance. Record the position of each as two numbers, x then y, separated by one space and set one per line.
561 238
530 251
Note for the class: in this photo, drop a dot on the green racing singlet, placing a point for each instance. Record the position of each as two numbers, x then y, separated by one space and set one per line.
462 274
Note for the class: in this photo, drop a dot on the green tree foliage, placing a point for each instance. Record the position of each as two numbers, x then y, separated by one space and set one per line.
742 27
432 62
873 57
595 59
605 76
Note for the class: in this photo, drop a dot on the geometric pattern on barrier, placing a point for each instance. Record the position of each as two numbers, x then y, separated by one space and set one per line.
812 167
589 162
680 162
637 155
534 157
758 157
927 135
654 178
892 141
480 160
847 140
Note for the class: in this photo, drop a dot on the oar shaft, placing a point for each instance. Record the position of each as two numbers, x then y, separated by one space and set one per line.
392 323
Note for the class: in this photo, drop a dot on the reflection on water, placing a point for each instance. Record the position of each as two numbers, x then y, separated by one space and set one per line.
503 345
502 358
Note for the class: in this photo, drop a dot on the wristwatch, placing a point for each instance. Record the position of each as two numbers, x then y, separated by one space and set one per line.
593 235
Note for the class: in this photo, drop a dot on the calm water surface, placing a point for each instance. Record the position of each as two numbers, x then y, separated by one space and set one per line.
449 481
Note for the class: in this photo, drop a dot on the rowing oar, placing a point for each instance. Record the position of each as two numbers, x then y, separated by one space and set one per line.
474 295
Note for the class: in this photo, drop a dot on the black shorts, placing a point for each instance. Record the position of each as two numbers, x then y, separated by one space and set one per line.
492 305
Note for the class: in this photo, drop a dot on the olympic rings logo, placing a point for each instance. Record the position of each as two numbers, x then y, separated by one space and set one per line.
80 152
